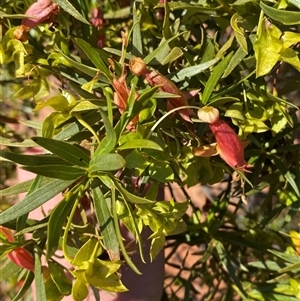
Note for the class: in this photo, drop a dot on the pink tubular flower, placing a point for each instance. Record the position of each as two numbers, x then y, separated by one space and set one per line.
20 256
97 21
42 11
229 146
154 78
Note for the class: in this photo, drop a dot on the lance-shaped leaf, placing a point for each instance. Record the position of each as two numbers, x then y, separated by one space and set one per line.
141 143
57 171
94 56
109 141
25 287
106 162
106 223
64 150
33 160
69 8
284 16
57 219
34 200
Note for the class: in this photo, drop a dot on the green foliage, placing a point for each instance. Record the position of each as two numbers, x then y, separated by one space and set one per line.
241 57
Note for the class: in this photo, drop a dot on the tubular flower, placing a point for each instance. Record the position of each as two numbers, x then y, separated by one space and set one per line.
229 146
42 11
138 67
97 21
20 256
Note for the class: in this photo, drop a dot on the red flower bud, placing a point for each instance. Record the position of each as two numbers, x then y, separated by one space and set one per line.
229 145
20 256
42 11
154 78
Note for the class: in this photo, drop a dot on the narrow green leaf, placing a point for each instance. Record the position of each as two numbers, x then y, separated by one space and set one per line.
84 105
161 47
34 200
137 44
56 171
25 287
189 72
294 2
70 9
238 56
94 56
229 268
292 258
64 150
106 162
181 5
20 187
109 141
131 197
293 267
106 224
118 232
239 31
25 143
32 160
81 67
288 176
39 280
141 143
8 269
57 219
267 265
214 78
58 103
283 16
118 14
142 102
75 127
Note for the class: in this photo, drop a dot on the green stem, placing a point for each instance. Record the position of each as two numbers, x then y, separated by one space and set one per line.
118 232
166 115
79 191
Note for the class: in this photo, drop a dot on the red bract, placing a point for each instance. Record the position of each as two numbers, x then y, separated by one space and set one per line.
20 256
42 11
229 145
154 78
121 96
